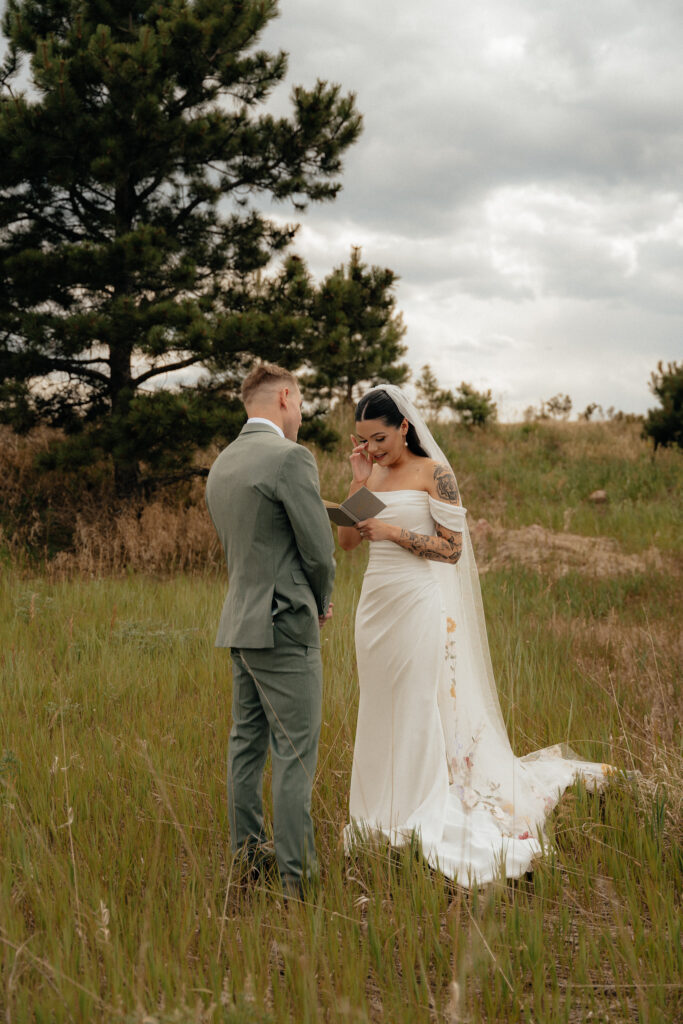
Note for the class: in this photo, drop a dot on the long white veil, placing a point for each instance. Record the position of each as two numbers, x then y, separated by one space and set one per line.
460 586
485 775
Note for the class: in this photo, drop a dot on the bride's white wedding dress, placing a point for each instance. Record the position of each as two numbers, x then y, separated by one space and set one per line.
432 756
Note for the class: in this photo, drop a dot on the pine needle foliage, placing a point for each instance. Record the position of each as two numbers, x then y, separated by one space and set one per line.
471 407
357 331
130 236
664 425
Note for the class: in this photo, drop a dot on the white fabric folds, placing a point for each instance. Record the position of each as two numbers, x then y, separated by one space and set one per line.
432 757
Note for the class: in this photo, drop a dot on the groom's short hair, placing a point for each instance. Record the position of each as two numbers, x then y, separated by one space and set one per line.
264 374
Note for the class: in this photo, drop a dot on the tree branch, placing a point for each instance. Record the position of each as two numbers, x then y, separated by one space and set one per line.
156 370
77 369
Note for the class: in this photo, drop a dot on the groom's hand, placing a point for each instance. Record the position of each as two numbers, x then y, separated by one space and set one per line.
322 619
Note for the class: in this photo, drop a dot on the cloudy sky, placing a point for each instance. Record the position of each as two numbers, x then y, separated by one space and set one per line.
521 170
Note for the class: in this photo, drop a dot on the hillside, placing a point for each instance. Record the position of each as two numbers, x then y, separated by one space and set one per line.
118 901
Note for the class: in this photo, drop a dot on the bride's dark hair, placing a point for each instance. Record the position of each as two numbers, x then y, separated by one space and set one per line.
377 405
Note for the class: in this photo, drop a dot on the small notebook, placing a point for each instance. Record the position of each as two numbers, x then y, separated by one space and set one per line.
361 505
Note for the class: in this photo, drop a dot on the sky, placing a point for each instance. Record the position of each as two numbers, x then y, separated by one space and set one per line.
521 170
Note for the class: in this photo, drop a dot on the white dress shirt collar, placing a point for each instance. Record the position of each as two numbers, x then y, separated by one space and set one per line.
261 419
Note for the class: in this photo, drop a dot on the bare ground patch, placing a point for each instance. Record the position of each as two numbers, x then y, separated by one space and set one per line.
555 554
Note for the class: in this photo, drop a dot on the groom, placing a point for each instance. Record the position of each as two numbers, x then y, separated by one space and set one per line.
263 497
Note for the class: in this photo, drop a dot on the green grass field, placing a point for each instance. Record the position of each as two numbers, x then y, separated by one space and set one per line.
117 897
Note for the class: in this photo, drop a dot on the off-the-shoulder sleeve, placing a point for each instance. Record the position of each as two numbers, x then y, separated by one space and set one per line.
450 516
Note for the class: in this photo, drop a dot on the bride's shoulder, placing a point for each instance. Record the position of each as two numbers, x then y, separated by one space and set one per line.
428 468
441 482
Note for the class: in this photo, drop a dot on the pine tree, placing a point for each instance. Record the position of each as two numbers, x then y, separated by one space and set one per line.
557 407
473 408
431 397
129 235
664 425
356 331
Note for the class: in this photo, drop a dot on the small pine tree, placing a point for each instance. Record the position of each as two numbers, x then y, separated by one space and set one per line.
591 409
356 332
473 408
665 424
430 397
559 407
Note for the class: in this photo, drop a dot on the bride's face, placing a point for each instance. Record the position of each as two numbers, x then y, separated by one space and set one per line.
386 445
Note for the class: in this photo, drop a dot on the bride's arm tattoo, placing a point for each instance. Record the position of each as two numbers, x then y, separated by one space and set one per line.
445 547
446 486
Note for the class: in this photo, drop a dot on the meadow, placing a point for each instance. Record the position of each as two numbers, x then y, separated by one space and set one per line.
118 898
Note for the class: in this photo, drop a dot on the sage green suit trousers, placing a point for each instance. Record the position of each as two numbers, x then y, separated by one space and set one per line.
263 494
276 697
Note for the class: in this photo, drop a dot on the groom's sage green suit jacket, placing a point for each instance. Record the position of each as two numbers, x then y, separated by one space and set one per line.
264 499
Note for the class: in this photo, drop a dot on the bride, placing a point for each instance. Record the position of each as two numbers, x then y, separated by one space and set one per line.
432 755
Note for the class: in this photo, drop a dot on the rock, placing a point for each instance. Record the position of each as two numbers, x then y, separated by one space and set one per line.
598 497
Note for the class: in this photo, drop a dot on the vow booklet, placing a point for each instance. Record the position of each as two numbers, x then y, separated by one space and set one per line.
361 505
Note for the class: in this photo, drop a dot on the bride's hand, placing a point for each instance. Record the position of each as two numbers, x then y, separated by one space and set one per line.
376 529
361 462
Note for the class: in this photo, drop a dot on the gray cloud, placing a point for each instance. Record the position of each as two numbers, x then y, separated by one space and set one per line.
520 171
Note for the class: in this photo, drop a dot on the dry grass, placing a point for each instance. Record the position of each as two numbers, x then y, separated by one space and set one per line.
72 523
117 899
512 476
118 902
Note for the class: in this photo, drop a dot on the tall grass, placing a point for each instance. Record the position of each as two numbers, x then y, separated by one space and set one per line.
118 898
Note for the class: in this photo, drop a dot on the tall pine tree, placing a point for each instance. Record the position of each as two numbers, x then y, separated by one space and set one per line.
129 234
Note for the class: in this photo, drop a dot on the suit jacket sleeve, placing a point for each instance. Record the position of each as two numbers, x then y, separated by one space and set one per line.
298 488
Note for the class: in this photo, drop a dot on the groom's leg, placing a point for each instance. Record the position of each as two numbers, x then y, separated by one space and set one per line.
247 751
290 684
